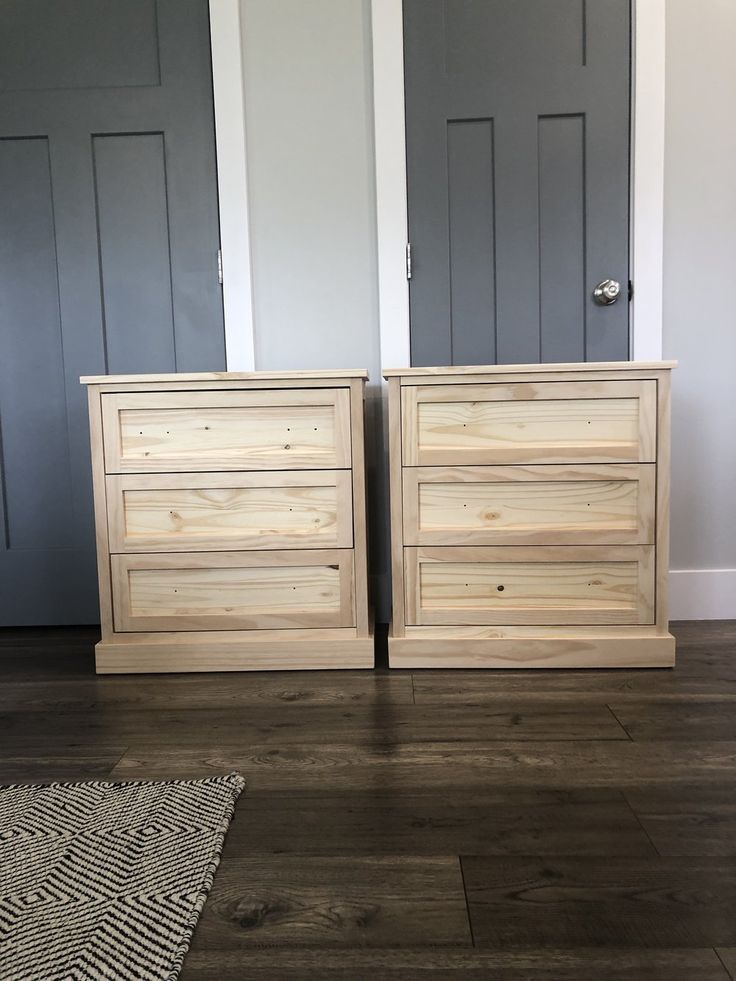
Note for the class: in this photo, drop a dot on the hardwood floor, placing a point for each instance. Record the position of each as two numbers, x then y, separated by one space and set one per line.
545 826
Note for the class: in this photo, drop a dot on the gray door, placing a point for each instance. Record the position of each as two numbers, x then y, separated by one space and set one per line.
108 245
517 121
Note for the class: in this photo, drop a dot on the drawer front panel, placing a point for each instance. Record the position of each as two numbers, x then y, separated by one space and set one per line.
204 512
229 591
226 430
548 504
544 422
525 585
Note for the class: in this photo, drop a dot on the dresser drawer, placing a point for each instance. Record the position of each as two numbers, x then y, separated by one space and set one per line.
539 422
208 512
529 585
233 590
226 430
551 504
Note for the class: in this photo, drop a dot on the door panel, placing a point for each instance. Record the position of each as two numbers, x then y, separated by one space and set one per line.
517 122
538 585
108 241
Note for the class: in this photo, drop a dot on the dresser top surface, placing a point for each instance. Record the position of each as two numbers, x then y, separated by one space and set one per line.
528 369
225 376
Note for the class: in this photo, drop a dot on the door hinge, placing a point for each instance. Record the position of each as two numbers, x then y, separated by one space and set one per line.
408 260
631 290
219 266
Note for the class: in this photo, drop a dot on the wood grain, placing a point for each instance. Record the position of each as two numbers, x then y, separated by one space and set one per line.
226 430
529 585
599 902
535 422
554 505
620 368
331 900
229 590
208 512
448 964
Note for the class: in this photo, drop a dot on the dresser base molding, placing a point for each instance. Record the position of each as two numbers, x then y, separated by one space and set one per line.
277 650
428 649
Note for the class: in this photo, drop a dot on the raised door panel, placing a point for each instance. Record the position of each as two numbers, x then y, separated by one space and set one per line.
529 422
205 512
227 430
544 585
233 590
549 504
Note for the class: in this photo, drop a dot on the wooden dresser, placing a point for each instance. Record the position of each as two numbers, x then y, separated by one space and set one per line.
230 514
530 516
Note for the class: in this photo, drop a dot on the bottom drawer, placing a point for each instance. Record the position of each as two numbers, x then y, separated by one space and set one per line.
233 590
509 585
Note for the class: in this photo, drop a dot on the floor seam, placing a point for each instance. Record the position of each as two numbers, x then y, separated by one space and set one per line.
725 967
641 825
467 904
628 734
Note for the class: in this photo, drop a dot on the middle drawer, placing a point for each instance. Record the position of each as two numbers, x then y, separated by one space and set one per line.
548 504
183 512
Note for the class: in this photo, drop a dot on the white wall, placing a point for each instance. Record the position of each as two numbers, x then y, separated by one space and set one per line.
309 126
309 116
699 303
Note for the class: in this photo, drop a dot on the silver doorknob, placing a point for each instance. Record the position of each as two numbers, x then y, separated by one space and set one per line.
607 292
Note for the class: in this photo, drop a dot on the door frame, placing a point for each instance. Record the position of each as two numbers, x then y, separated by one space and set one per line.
232 183
647 180
646 198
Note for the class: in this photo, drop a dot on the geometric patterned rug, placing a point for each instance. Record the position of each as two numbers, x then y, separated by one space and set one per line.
107 880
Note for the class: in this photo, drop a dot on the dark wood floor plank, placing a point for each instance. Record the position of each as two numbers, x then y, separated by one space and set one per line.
442 767
569 902
289 724
688 821
454 965
328 901
503 822
684 719
189 692
57 763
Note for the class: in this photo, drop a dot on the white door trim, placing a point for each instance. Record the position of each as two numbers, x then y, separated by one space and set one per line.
232 180
647 179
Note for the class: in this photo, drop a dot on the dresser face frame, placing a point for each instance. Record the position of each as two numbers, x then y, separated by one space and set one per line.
530 516
230 521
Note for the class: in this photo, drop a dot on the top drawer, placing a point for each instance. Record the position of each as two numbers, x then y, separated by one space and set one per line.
529 422
227 430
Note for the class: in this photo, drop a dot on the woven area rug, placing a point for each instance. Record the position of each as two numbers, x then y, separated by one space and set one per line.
107 880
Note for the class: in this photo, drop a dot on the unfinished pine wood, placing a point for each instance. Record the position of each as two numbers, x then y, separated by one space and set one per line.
228 590
532 524
533 422
360 552
585 368
553 504
396 474
188 512
529 585
231 521
227 430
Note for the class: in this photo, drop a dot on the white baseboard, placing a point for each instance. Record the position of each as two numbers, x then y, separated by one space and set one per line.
702 594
